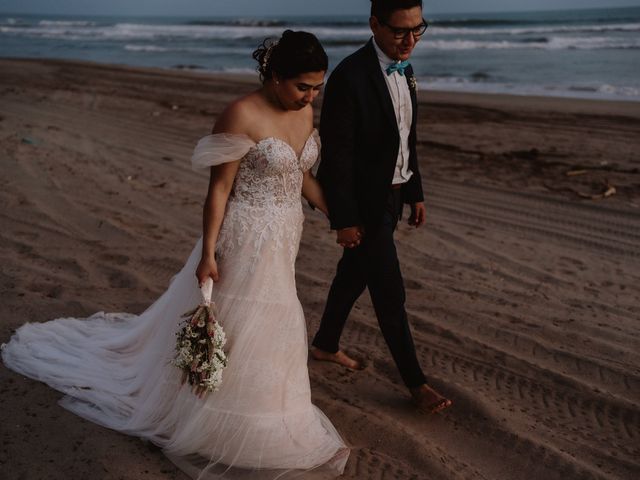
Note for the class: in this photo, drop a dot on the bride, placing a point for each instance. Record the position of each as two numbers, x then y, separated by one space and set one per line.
115 368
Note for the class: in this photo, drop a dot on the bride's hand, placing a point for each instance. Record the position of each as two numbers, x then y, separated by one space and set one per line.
207 267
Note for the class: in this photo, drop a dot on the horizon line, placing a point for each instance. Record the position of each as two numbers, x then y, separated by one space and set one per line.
231 15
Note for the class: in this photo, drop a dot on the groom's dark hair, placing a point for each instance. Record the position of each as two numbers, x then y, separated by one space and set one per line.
382 9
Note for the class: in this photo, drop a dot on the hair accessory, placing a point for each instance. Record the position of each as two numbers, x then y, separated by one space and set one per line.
267 55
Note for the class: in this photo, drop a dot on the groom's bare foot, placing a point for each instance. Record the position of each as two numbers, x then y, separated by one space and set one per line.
428 400
339 357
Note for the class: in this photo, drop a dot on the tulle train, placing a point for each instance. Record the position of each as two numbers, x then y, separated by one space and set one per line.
116 370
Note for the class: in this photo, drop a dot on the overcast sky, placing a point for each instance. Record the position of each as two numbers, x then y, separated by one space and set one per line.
281 7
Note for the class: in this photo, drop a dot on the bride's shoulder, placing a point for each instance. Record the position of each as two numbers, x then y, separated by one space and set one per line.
237 117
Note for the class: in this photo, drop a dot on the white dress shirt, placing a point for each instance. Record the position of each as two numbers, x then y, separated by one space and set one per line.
401 98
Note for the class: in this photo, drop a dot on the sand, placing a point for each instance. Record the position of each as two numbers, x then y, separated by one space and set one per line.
523 291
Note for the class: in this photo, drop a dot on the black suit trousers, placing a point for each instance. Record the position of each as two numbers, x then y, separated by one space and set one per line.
373 264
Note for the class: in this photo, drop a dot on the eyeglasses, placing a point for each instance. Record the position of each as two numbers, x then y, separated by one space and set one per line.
401 33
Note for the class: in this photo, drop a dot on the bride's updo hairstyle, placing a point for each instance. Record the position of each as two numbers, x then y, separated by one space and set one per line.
293 54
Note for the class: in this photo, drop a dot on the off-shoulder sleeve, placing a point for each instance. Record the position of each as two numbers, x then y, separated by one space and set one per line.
220 148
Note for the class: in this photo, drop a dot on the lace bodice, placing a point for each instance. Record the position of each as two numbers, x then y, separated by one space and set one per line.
263 219
271 172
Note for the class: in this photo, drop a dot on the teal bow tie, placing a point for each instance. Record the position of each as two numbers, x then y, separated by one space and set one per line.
399 67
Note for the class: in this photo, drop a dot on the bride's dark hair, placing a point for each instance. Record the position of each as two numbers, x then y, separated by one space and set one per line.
294 53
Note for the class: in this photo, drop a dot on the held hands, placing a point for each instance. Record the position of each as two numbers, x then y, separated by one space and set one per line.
207 267
349 237
418 214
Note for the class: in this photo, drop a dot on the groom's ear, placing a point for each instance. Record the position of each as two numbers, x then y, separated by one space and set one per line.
374 23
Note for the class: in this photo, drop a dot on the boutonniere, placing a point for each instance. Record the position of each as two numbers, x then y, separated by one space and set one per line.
413 83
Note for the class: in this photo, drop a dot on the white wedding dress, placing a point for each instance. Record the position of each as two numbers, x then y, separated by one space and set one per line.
115 368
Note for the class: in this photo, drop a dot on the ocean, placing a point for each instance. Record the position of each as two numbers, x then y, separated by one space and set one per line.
578 53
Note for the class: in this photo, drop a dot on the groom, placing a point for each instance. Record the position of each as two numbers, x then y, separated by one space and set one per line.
369 168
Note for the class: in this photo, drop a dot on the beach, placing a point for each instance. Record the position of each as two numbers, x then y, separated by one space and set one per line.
523 288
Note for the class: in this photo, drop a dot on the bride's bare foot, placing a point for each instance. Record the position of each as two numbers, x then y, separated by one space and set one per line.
428 400
339 357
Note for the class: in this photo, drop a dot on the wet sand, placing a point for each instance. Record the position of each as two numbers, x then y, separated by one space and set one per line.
523 289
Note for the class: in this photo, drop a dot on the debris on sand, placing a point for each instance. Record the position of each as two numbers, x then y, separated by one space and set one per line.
30 141
574 173
607 191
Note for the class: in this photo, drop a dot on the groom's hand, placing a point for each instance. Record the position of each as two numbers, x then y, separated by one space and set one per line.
418 214
349 237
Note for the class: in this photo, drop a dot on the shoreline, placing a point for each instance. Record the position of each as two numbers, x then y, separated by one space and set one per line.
522 289
633 109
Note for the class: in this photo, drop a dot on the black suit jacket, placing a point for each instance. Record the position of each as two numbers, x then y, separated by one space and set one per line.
360 142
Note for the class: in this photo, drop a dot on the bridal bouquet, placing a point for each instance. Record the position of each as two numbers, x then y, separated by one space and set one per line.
199 346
